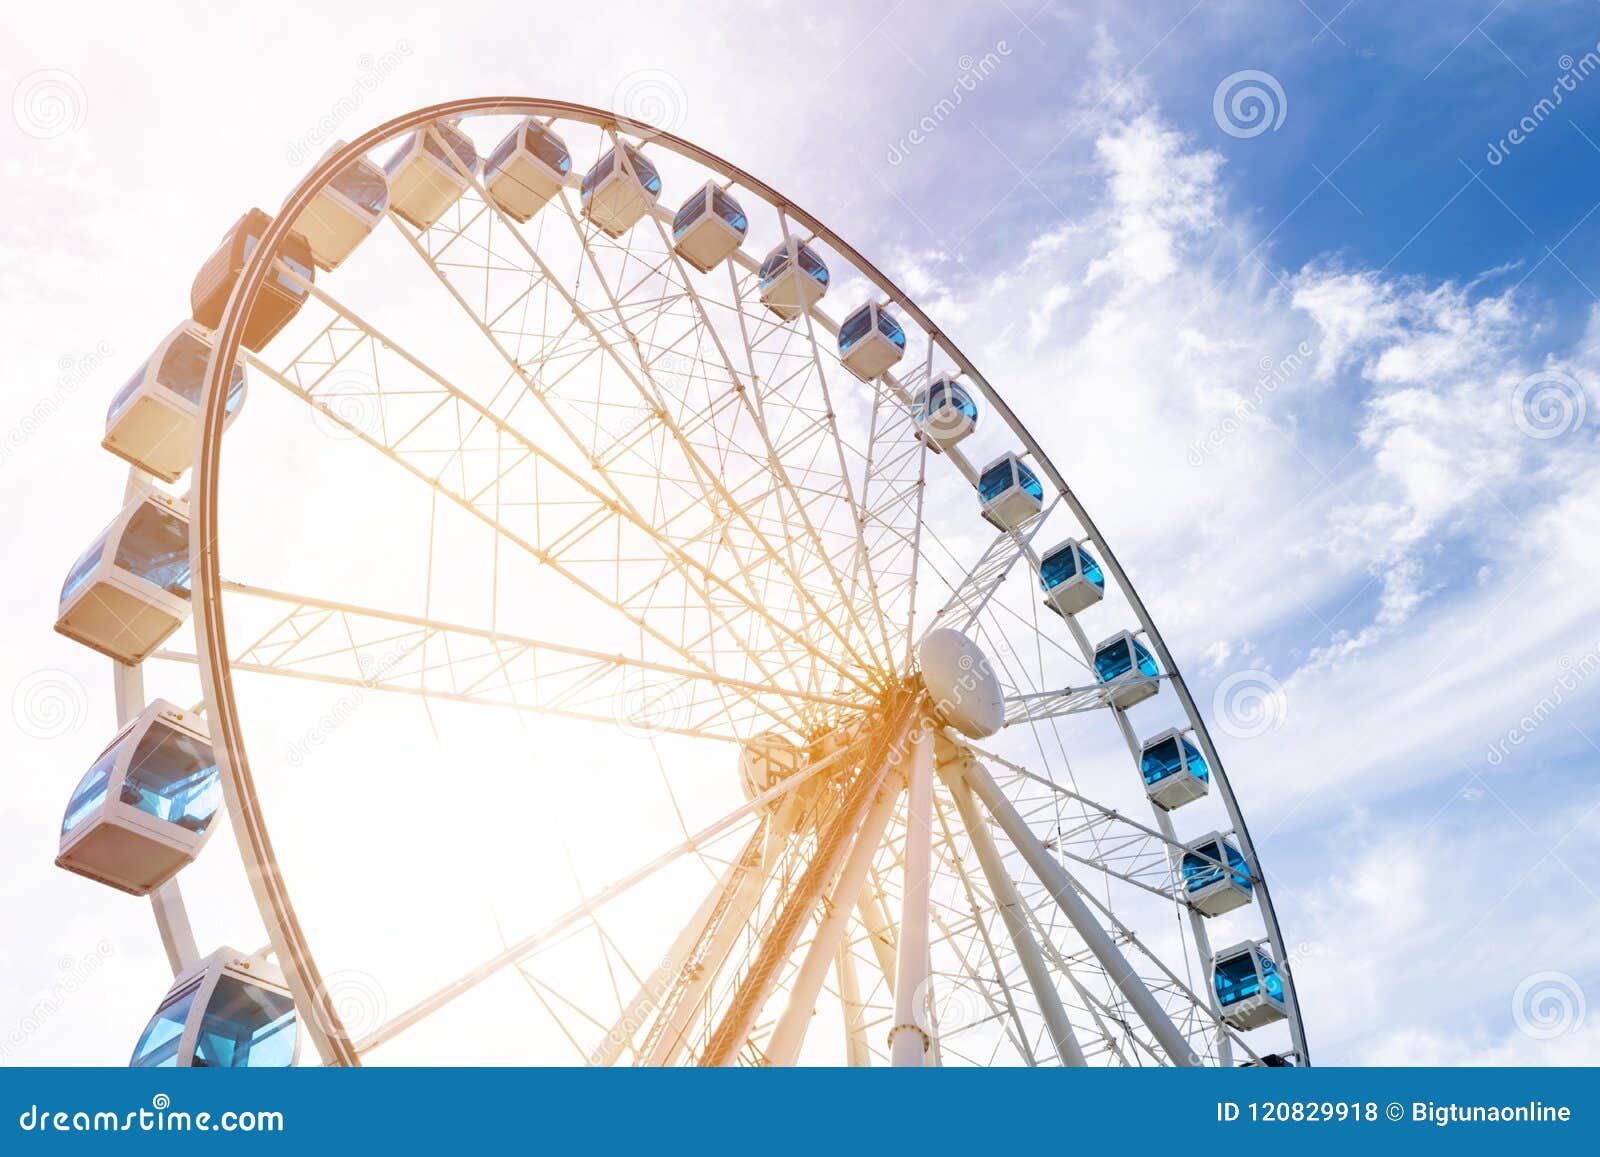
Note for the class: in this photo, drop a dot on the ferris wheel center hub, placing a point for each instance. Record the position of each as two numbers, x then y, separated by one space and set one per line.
960 683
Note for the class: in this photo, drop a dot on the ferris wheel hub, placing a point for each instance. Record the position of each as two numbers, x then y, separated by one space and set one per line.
961 684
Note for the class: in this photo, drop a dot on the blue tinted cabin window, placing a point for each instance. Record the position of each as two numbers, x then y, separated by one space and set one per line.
995 481
778 260
600 171
155 546
1057 568
91 789
1202 866
549 148
1270 979
158 1045
1196 761
84 567
813 266
890 328
123 396
1029 482
364 185
183 369
1236 979
693 209
728 209
855 327
954 395
1147 662
246 1026
173 777
775 264
449 137
643 170
1113 660
1160 761
1091 569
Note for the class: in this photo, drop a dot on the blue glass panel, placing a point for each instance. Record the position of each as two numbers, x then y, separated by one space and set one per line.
87 561
173 777
158 1044
812 265
548 147
1160 761
123 396
1057 568
1271 981
246 1026
364 185
1113 660
890 328
91 790
777 263
155 546
955 396
855 327
643 170
1029 482
1235 978
600 171
183 370
1147 662
995 481
456 141
693 209
1091 569
1197 762
728 209
1202 866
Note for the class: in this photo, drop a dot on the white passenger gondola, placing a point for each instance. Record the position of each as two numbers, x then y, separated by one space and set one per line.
1215 877
1009 493
144 808
430 172
792 279
708 227
1071 578
150 422
871 341
527 169
1248 986
344 212
281 295
1127 670
228 1011
1173 769
130 590
615 197
944 412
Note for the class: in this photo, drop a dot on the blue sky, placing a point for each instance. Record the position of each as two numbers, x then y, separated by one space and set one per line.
1397 535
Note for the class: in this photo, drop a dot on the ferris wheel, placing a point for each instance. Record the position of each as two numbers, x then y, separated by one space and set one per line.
645 561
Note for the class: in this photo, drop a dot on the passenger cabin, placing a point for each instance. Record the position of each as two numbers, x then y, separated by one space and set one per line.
145 807
229 1011
1071 579
150 422
616 197
792 279
527 170
1216 878
129 591
281 294
766 761
709 227
344 212
1009 494
871 342
944 412
1128 671
1248 987
430 172
1174 771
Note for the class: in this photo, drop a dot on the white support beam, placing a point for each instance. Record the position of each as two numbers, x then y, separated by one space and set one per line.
908 1040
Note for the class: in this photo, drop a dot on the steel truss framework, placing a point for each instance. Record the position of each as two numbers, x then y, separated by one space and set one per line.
767 527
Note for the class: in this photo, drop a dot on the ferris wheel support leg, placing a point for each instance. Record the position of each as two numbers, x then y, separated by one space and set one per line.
1011 905
1064 889
874 918
908 1042
857 1055
784 1045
